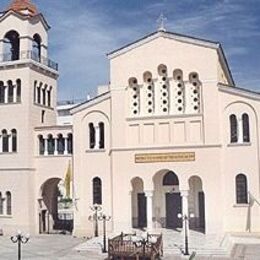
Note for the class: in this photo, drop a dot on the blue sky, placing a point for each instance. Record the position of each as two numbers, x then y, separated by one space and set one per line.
83 31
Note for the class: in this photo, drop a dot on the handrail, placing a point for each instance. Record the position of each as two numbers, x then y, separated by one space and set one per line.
24 55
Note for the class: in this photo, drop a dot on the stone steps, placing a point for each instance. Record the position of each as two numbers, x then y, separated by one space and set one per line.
173 243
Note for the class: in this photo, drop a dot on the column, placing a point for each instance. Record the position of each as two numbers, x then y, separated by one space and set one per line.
149 209
185 208
65 146
4 206
45 146
6 94
10 143
240 130
15 94
55 146
97 134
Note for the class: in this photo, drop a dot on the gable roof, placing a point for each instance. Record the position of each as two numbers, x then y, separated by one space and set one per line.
37 17
244 92
88 103
178 37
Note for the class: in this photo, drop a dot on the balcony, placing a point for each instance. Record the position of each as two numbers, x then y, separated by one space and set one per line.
28 55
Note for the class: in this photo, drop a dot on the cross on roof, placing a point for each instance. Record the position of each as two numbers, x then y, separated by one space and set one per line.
161 23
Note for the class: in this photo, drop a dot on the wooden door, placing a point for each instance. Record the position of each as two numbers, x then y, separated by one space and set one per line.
173 208
202 209
142 217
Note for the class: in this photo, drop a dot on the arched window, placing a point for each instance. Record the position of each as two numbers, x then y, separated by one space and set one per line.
148 90
41 145
8 203
178 75
162 70
246 129
70 143
97 191
39 95
2 92
49 97
11 46
36 47
164 103
233 129
170 178
61 144
14 140
51 145
5 141
241 189
35 92
102 135
44 95
10 91
134 91
43 117
92 136
1 204
18 90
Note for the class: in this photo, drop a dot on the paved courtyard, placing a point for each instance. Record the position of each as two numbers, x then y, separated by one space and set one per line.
61 247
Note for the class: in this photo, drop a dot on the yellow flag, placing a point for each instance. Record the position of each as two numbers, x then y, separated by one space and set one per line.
68 180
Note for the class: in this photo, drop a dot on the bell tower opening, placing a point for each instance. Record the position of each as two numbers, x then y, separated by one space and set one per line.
11 46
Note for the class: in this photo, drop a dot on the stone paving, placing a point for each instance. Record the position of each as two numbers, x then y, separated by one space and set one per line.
64 247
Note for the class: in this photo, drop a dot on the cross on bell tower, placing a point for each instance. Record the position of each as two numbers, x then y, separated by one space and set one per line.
161 23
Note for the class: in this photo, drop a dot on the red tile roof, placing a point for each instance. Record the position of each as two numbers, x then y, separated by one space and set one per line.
22 5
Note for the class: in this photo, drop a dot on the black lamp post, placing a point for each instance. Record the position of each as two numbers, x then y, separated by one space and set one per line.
105 219
95 208
185 220
20 239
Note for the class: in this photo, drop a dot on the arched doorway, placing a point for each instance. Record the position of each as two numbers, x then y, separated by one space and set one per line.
167 200
139 207
55 209
197 204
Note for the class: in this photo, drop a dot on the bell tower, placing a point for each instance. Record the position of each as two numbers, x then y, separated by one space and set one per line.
28 78
28 86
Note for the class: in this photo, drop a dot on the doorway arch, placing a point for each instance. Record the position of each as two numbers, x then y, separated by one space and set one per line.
197 204
55 210
139 204
167 200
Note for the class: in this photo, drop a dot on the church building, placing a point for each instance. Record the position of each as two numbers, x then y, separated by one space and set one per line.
171 133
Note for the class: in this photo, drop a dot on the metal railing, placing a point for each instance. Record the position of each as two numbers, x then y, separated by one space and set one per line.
124 247
24 55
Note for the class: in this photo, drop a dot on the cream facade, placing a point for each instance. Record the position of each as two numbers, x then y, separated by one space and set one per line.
170 134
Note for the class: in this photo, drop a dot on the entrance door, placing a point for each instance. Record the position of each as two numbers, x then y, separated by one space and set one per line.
142 218
173 208
42 221
202 210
